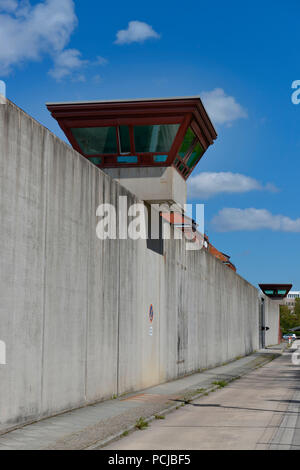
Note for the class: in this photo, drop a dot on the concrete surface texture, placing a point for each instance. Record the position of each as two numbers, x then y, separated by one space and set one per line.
152 184
75 309
93 426
257 412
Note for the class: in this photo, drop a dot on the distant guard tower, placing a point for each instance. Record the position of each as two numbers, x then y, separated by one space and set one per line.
150 146
276 291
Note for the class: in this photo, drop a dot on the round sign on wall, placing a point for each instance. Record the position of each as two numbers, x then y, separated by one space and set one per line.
151 313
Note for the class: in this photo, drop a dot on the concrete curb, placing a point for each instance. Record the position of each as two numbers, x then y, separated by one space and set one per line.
102 443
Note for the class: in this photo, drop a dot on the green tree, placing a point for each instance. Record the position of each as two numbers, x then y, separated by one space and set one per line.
297 311
288 319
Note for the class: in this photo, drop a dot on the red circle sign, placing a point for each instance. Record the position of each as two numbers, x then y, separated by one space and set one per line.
151 313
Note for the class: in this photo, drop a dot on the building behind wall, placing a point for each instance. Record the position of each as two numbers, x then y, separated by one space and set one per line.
290 300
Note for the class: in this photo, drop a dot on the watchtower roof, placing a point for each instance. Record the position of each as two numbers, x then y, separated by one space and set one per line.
139 132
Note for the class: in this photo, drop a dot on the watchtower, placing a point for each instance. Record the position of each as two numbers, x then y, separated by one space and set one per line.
151 146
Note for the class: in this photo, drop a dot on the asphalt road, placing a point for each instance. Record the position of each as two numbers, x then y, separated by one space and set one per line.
259 411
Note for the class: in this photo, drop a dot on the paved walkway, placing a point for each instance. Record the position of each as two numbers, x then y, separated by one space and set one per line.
259 411
95 425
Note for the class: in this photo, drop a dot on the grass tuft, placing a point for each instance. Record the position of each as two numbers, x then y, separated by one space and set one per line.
220 383
141 423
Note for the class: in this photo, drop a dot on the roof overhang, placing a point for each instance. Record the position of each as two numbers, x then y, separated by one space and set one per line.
184 111
276 291
116 111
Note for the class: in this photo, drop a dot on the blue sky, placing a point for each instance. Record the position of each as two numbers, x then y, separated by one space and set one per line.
242 57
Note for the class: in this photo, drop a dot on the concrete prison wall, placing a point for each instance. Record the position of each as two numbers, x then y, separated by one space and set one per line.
74 310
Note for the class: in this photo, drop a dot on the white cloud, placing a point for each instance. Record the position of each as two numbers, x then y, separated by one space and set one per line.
222 109
66 63
8 5
231 219
137 31
27 33
100 61
208 184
